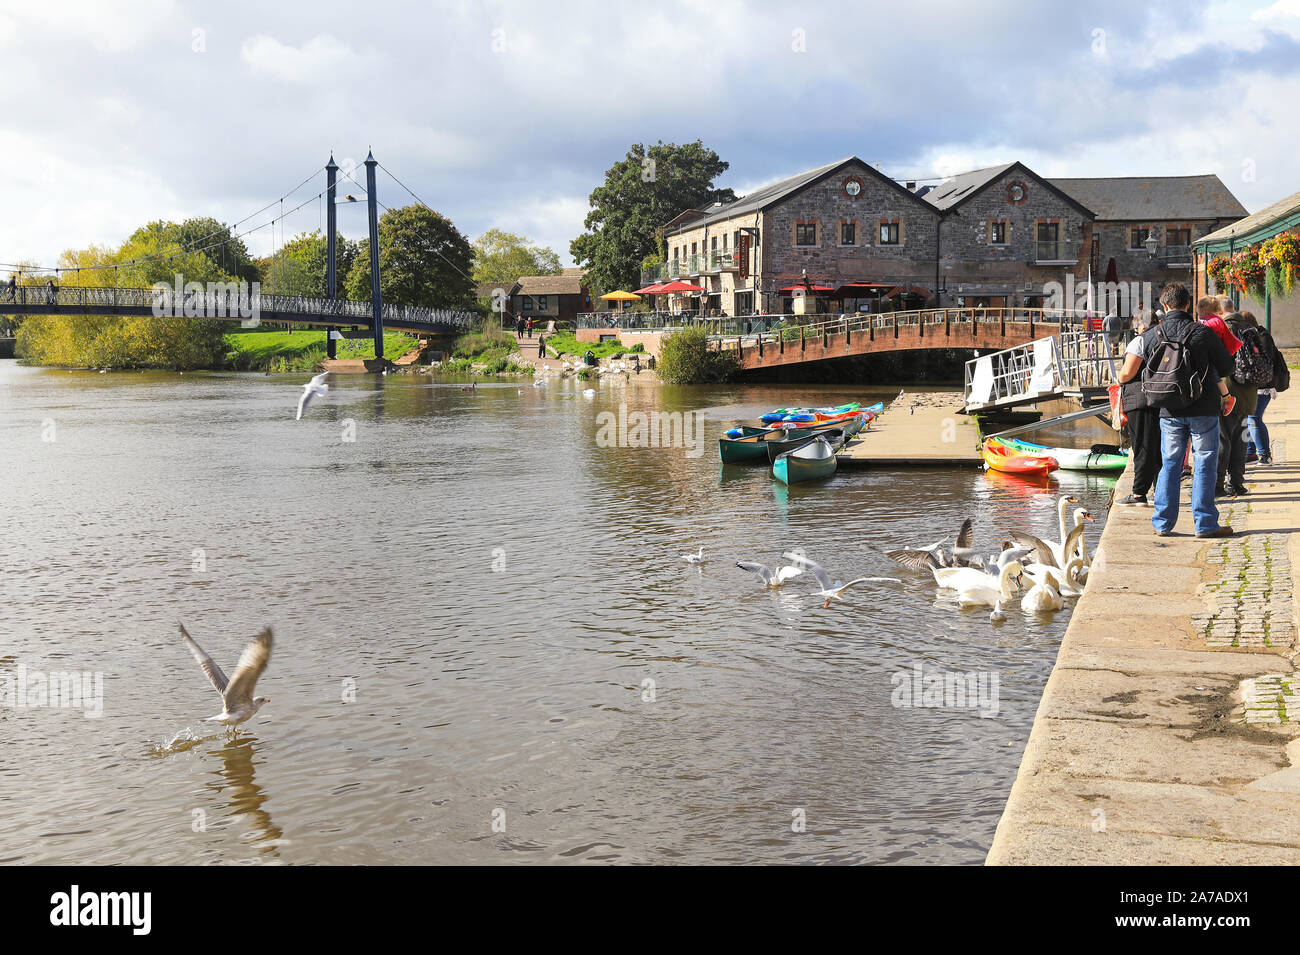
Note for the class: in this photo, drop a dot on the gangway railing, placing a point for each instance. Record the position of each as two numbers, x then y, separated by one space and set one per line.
1070 362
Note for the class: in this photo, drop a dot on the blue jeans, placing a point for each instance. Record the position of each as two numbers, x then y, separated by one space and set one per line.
1256 428
1203 432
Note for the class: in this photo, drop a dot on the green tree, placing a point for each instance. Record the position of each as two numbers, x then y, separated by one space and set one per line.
685 358
503 257
423 260
640 193
299 266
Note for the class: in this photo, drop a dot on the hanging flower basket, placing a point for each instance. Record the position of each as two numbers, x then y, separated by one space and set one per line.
1280 255
1217 269
1247 273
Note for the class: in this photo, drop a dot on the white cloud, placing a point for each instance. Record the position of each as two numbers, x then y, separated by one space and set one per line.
320 59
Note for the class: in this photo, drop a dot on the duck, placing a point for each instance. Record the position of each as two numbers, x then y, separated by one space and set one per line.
1043 597
985 596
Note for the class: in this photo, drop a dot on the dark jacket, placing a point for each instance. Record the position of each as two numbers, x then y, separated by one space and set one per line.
1207 353
1247 395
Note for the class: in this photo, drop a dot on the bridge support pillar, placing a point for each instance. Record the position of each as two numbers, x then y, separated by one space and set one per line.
376 299
331 248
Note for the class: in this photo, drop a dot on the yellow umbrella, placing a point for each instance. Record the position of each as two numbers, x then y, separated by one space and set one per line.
622 297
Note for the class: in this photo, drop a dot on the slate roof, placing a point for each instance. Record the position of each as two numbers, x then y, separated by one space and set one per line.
1154 198
774 192
488 289
1264 217
568 282
952 191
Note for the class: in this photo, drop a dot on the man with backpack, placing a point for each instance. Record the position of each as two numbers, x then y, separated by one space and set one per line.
1184 368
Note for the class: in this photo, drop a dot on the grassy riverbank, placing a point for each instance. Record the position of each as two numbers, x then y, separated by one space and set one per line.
302 350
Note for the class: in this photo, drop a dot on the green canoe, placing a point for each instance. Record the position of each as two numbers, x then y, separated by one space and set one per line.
808 462
750 444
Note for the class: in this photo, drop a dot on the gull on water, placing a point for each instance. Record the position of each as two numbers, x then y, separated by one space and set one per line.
310 390
238 702
769 577
694 558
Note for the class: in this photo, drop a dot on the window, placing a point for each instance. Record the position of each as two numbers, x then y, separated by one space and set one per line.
848 233
805 233
528 304
998 233
694 250
1137 238
889 233
1049 241
713 246
1178 237
541 303
724 242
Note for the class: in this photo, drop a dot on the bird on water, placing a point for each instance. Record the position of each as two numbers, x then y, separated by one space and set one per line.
238 702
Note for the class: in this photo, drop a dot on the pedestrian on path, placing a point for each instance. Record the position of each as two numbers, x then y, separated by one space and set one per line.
1143 429
541 346
1259 444
530 327
1186 367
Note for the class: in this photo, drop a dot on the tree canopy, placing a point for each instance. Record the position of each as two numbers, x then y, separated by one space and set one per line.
423 260
503 257
299 266
641 192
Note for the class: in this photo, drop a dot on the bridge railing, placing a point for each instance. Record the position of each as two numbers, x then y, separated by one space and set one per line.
790 328
1072 360
227 300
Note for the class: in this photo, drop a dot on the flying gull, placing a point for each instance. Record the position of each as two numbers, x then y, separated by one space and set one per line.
237 692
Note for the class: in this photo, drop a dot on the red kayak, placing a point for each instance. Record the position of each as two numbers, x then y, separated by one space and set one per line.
1001 458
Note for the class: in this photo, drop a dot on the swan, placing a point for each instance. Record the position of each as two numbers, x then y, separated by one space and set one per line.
968 578
694 558
770 578
1043 597
997 616
1051 553
1068 584
985 596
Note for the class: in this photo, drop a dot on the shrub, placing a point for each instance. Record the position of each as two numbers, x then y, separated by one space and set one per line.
686 359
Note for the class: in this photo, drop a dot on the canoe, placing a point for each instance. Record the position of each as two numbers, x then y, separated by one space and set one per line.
750 444
818 417
808 462
809 421
835 437
780 414
1070 459
1000 458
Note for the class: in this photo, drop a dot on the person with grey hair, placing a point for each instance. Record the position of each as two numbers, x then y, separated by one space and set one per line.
1195 357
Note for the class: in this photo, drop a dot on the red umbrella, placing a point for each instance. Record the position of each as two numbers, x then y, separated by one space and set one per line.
650 290
678 287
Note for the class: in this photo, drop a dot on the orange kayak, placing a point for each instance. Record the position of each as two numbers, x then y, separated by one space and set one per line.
1001 458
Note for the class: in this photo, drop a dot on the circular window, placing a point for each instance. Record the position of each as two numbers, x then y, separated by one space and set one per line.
1017 192
852 188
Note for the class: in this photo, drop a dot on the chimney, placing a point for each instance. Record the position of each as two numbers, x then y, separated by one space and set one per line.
911 185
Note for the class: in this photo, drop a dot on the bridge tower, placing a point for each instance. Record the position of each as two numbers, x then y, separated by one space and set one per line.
331 248
376 301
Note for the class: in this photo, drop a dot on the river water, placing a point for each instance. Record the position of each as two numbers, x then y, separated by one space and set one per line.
487 646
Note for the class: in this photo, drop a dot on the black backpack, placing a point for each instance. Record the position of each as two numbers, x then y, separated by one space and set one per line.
1281 373
1253 363
1170 377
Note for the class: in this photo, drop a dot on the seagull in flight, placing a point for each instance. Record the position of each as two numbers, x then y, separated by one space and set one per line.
770 577
310 390
831 589
237 698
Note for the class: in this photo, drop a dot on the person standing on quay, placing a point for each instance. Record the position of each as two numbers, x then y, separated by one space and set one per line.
1259 443
1195 421
541 346
529 326
1143 420
1232 469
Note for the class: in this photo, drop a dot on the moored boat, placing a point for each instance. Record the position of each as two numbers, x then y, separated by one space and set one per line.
751 444
787 414
1070 459
836 436
810 461
1001 458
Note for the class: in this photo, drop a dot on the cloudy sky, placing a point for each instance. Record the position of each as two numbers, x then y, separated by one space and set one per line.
507 113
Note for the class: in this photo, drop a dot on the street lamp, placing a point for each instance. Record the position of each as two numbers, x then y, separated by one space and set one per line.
1151 244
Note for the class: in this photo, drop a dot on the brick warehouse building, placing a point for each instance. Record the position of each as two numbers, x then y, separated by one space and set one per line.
854 238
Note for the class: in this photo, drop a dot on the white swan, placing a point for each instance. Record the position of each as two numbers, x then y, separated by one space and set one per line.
1054 553
1043 597
991 596
969 578
997 616
1067 584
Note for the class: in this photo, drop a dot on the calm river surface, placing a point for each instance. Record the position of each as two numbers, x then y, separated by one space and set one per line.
468 600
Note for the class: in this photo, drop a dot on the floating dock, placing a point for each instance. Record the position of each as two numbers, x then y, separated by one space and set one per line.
924 429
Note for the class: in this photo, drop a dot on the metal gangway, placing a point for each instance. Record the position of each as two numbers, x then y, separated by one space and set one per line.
1073 363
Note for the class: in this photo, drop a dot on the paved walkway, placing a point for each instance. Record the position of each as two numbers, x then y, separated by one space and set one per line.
917 428
1169 731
